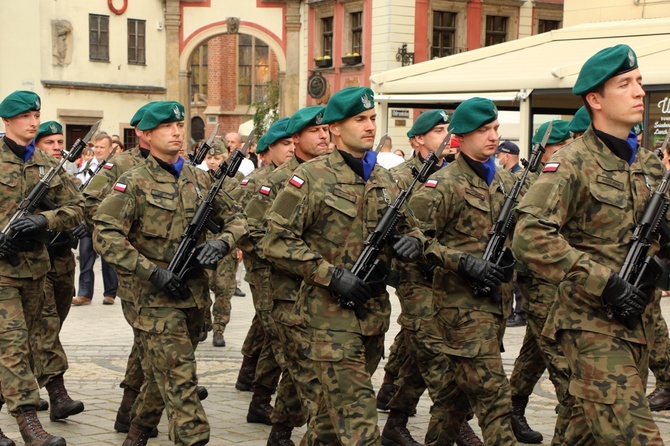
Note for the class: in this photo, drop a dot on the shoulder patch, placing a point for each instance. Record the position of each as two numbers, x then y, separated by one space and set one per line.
120 187
551 167
108 165
244 182
265 190
296 181
431 183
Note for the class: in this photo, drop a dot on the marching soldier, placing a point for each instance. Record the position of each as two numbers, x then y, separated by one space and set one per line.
22 286
138 228
316 229
49 356
458 206
574 230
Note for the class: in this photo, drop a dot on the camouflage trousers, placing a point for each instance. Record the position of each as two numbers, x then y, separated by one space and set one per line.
398 354
134 376
169 337
298 388
425 367
21 303
659 354
50 358
608 380
346 407
222 283
472 340
537 354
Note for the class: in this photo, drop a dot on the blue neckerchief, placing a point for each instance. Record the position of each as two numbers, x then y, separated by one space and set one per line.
632 142
178 166
30 149
444 163
369 161
490 169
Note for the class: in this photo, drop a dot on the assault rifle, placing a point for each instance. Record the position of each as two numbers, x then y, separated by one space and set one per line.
39 191
638 268
184 258
496 251
198 156
368 267
98 168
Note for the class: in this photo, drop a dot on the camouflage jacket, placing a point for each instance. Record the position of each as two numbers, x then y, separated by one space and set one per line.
574 228
17 179
139 225
318 222
459 210
414 289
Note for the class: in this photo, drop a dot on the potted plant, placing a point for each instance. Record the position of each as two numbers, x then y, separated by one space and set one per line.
351 59
323 61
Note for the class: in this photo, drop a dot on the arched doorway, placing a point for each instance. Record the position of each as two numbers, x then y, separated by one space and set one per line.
197 129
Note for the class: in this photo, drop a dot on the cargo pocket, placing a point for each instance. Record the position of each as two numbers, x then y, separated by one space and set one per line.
158 216
596 391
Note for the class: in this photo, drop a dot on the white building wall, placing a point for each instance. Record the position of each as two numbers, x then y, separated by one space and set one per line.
580 11
392 25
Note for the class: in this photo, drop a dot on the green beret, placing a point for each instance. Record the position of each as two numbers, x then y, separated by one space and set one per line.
426 121
581 121
217 148
472 114
276 132
137 117
347 103
604 65
160 112
18 102
306 117
560 131
48 128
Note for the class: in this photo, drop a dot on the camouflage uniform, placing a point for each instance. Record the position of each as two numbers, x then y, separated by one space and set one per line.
425 364
458 210
659 357
22 286
256 343
98 188
151 208
317 223
583 212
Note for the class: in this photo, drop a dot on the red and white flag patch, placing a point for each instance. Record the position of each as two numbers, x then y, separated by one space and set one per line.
108 166
551 167
265 190
431 183
244 182
296 181
120 187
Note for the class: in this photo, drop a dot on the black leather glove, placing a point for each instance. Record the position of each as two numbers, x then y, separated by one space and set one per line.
29 223
345 285
623 297
170 283
485 272
211 252
80 231
8 246
407 248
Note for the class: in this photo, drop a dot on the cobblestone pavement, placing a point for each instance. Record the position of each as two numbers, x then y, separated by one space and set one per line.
97 341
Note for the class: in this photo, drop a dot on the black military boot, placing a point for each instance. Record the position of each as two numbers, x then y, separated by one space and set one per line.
43 405
395 431
260 408
202 392
122 423
522 430
32 431
467 437
659 400
245 378
62 406
280 435
136 436
386 392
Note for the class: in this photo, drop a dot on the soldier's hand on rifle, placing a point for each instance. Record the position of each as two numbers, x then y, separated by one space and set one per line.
346 285
623 297
80 231
29 223
170 283
7 246
485 272
407 248
211 252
